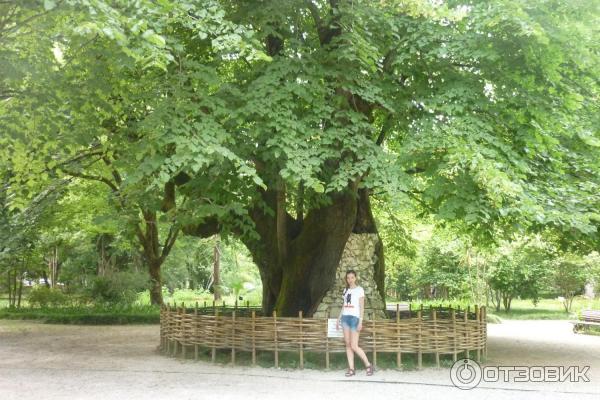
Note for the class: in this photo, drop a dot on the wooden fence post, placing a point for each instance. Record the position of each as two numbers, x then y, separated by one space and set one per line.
478 319
301 337
162 339
435 341
454 338
183 330
484 328
374 340
163 315
275 338
215 334
168 329
419 350
172 328
178 324
465 321
163 327
327 340
253 337
233 335
399 353
196 323
175 324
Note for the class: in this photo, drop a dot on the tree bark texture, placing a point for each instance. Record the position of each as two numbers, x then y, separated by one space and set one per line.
298 275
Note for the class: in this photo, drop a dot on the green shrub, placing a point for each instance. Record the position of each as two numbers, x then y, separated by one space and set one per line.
96 315
120 287
42 296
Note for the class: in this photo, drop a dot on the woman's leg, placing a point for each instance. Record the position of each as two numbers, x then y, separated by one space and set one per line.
354 341
349 352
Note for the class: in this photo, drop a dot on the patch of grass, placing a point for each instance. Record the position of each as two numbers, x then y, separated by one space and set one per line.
520 308
546 309
528 313
96 315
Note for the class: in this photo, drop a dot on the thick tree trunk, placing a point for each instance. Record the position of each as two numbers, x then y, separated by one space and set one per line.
154 252
299 278
298 257
309 269
156 296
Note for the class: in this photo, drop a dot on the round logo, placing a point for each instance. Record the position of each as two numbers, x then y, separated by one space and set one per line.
465 373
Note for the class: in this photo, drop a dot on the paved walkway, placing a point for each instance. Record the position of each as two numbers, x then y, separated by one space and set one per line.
39 361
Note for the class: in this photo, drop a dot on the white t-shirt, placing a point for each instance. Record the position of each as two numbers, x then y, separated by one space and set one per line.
351 305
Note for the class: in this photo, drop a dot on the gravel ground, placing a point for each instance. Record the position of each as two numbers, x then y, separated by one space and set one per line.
39 361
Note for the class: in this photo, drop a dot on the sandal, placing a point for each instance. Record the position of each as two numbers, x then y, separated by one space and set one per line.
370 370
350 372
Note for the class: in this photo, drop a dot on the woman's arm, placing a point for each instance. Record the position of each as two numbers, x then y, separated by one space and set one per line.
339 320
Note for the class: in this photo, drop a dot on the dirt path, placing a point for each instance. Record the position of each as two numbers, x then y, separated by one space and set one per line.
40 361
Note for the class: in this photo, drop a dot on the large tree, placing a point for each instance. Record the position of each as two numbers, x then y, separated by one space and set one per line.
278 121
456 106
90 97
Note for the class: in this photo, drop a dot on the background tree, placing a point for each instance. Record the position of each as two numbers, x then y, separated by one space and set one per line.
520 270
569 277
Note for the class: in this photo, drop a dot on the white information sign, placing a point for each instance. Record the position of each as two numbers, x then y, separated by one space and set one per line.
331 331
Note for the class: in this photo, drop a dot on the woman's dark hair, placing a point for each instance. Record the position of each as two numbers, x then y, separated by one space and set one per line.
350 271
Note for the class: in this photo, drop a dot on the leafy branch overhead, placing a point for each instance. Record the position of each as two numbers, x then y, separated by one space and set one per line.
267 120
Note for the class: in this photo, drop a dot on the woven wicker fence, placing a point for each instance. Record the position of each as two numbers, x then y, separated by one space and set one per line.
433 330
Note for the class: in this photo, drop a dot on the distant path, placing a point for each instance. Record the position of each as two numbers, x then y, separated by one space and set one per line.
44 362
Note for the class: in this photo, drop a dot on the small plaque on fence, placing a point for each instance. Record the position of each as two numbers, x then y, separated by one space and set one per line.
331 331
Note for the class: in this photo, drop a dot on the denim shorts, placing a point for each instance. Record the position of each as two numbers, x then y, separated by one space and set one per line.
350 321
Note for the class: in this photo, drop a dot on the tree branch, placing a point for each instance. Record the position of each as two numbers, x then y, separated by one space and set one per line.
314 12
114 171
80 157
385 127
102 179
170 241
18 25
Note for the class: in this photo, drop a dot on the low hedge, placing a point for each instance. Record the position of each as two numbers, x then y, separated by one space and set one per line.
112 315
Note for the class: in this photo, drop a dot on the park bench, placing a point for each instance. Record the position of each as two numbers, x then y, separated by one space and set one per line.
403 308
588 318
392 307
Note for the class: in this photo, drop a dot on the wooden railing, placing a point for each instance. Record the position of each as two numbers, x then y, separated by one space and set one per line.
433 330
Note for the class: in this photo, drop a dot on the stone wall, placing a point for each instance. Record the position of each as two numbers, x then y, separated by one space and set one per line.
359 255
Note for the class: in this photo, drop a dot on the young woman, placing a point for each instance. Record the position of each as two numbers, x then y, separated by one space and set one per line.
351 318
